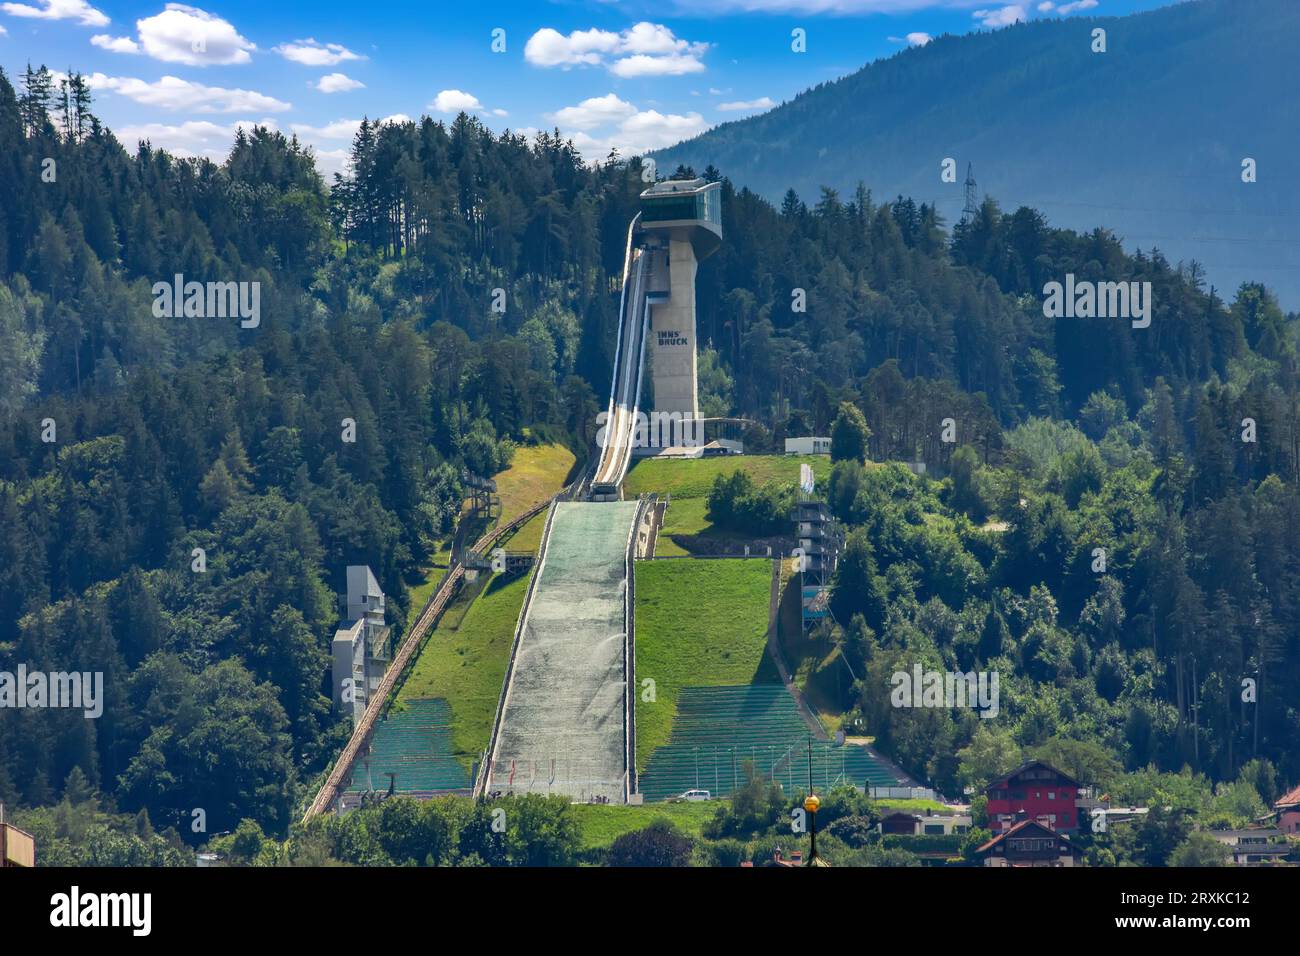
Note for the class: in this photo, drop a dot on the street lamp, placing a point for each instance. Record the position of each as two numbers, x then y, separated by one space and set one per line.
810 804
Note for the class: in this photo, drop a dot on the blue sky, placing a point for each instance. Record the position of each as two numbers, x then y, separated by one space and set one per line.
633 75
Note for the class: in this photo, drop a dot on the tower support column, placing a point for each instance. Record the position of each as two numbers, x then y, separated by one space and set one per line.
672 335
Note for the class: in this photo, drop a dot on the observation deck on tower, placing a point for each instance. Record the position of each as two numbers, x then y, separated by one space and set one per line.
689 209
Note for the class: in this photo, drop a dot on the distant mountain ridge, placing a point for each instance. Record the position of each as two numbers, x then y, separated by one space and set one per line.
1146 139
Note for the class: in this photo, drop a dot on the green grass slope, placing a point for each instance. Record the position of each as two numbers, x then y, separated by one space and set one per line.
536 473
689 482
602 824
465 659
698 623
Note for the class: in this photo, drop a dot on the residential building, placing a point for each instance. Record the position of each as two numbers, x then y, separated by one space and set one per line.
808 446
1034 791
1254 846
925 824
1028 844
898 822
360 646
1287 810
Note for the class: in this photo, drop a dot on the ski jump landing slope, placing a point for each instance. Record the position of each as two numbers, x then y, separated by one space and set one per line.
562 725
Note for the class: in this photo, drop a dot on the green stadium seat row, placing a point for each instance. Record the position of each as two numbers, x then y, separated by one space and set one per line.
717 728
416 746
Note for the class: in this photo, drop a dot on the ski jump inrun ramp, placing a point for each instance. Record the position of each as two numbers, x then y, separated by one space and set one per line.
562 725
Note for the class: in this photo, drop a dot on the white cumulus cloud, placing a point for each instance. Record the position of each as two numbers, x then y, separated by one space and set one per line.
338 83
184 34
601 123
549 47
208 140
745 106
455 101
78 10
191 138
331 161
593 112
654 39
700 8
340 129
645 49
311 53
331 157
114 44
650 129
1001 16
643 64
1065 9
173 93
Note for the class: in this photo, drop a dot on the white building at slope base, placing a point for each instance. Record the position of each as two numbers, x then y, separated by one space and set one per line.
360 647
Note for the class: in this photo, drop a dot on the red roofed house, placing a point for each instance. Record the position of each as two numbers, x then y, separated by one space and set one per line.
1028 843
1034 791
1287 809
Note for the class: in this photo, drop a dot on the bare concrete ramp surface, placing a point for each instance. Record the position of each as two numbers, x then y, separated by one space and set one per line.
562 724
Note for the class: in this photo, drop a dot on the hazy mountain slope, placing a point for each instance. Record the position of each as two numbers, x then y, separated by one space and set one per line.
1146 139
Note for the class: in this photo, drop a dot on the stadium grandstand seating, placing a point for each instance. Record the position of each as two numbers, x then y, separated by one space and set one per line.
415 744
717 729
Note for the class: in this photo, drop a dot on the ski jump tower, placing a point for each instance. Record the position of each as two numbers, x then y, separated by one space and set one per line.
688 214
565 720
680 222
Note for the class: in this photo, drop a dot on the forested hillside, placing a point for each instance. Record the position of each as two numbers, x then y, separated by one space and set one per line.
1146 138
378 306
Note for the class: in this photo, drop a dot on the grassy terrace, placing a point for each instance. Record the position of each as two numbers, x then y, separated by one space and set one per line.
689 482
601 825
693 478
914 806
698 623
529 537
537 472
464 661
